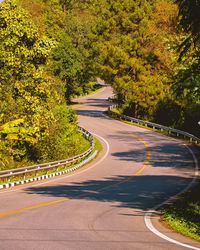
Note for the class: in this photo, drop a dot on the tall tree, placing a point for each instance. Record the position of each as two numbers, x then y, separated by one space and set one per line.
25 113
131 45
189 22
187 86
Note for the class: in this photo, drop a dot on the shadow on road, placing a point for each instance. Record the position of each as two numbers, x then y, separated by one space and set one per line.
141 192
96 103
164 153
90 113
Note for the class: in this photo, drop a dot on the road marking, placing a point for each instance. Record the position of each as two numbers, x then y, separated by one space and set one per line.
139 139
17 211
140 171
146 162
148 155
148 214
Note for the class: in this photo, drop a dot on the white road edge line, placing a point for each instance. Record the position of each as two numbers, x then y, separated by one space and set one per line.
148 214
68 176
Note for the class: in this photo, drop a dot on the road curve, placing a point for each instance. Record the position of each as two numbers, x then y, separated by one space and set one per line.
102 206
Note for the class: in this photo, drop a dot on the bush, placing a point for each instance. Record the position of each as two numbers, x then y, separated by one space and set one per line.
192 117
168 113
63 140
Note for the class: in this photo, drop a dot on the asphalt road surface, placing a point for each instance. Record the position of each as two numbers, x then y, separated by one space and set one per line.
103 205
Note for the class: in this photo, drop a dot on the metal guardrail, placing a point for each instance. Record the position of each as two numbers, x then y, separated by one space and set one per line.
49 165
171 131
46 166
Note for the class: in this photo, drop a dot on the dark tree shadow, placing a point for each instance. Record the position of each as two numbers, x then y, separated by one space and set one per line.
90 113
141 192
164 153
100 105
96 102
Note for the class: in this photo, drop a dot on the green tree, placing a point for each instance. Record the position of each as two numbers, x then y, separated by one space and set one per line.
67 65
189 22
186 85
73 60
133 38
25 114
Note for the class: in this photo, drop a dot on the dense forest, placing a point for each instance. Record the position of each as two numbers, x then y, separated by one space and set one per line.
53 50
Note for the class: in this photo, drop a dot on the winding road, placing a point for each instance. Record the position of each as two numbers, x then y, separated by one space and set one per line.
104 205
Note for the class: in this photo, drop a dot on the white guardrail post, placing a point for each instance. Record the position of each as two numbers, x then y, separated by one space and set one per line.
7 175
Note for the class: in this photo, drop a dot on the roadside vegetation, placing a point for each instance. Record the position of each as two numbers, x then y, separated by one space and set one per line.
97 147
35 123
152 61
53 50
183 215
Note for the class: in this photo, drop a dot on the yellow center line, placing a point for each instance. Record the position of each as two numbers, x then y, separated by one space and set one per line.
17 211
148 154
146 162
140 170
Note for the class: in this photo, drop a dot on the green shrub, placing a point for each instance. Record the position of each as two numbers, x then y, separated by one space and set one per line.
168 113
63 140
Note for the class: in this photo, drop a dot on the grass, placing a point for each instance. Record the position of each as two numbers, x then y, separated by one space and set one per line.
97 145
183 215
94 89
